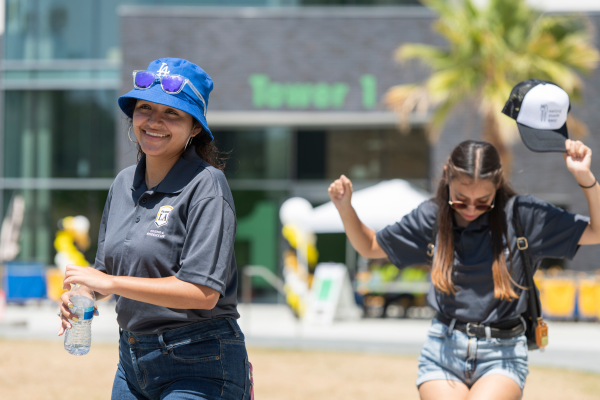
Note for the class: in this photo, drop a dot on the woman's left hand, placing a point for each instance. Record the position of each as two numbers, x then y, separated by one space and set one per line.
90 277
579 160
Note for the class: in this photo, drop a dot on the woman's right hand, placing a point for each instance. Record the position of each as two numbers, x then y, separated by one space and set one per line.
340 193
65 313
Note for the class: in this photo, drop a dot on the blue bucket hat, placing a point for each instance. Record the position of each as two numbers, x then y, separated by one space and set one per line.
186 100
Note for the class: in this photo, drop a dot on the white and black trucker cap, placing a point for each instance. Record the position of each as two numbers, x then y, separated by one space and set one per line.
540 109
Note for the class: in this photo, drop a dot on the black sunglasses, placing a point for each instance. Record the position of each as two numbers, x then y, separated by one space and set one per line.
459 205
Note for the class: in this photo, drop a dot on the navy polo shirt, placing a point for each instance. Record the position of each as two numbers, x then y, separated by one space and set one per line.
550 231
183 227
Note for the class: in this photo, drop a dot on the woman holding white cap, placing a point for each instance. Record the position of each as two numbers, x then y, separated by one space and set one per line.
476 347
165 248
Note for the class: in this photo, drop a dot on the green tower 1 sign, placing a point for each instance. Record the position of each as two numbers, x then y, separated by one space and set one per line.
303 95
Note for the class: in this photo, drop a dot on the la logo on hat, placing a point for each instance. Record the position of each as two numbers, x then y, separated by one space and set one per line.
540 109
163 70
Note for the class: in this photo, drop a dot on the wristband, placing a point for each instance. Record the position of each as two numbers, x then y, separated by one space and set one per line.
587 187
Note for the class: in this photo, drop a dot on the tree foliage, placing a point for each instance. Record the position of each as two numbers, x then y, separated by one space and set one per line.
490 49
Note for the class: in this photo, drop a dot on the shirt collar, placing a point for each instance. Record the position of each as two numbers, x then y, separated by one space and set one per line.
178 177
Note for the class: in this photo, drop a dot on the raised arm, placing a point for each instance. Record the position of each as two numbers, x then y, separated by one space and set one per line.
579 159
361 237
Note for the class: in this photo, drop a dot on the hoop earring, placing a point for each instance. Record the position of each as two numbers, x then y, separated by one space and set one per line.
188 143
129 136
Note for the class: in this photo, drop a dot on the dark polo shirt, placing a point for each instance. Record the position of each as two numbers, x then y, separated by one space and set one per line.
550 231
184 227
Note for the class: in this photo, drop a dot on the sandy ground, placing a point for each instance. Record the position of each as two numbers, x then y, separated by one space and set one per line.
42 370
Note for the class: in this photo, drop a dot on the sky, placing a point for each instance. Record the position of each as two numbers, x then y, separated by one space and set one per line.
560 5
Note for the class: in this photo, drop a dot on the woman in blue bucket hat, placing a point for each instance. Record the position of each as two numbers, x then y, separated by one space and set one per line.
165 248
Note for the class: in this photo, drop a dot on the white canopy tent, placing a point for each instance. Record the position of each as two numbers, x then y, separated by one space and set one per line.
377 206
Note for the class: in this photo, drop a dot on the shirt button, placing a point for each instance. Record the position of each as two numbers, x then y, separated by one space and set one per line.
144 200
137 219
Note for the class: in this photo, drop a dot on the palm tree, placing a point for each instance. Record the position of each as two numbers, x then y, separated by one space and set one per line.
490 49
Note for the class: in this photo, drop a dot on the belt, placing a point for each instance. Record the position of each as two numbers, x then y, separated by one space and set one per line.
499 330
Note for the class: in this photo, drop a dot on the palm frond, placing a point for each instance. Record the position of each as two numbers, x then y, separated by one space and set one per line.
439 118
430 55
490 49
405 100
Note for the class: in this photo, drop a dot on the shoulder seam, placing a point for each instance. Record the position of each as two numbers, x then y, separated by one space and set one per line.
207 167
200 200
212 197
214 178
229 205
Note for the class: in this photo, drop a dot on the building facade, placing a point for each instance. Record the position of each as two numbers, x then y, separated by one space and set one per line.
296 103
60 79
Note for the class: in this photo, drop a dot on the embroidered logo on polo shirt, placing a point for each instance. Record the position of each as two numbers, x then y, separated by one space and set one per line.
162 218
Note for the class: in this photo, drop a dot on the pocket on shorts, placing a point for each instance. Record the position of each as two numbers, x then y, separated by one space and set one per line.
196 351
518 344
511 342
513 348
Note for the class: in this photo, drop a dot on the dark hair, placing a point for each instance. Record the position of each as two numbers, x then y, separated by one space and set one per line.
474 160
205 148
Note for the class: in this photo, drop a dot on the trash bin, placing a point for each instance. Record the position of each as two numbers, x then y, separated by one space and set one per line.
587 303
558 297
54 283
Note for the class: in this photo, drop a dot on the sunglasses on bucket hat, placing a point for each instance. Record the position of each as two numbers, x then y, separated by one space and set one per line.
170 84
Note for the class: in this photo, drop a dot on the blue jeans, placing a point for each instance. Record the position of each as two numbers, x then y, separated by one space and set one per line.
206 360
458 357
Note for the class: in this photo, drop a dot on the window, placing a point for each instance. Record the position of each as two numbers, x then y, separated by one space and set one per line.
59 134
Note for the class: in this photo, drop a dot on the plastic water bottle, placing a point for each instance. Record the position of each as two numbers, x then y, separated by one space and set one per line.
78 338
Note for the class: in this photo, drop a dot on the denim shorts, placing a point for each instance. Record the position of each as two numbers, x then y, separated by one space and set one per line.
458 357
205 360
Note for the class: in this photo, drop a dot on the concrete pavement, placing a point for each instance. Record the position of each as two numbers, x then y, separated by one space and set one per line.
572 345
